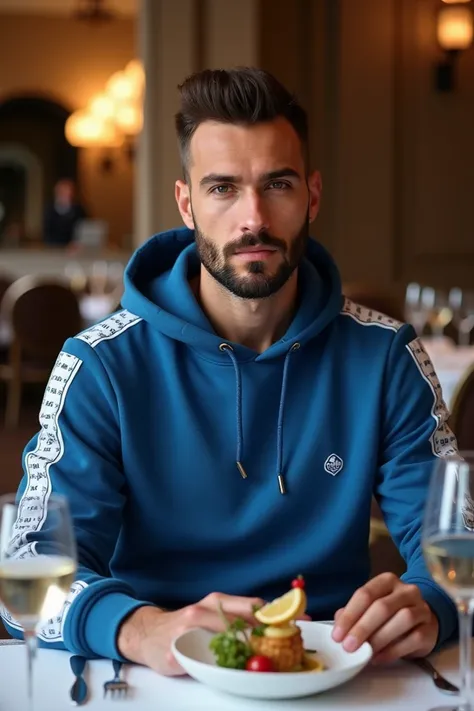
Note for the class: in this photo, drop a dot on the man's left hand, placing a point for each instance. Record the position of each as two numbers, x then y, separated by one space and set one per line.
392 616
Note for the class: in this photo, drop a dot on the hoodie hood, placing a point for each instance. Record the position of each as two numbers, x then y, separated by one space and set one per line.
157 289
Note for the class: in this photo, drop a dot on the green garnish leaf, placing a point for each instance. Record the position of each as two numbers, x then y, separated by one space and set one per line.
230 650
259 631
238 625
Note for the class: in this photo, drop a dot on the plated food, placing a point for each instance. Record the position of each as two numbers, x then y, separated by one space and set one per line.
193 653
274 644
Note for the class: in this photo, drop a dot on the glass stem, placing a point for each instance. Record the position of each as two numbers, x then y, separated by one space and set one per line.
31 647
465 610
463 338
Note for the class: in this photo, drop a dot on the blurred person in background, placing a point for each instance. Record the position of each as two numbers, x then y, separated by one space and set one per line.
63 215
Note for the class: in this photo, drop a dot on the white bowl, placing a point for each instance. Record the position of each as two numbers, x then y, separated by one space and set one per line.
192 652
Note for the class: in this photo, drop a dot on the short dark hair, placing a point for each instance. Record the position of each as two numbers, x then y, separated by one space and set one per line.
244 96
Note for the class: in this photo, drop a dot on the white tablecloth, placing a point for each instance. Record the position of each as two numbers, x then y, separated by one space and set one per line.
399 687
450 363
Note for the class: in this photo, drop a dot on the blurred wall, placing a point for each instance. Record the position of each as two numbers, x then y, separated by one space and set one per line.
69 61
397 157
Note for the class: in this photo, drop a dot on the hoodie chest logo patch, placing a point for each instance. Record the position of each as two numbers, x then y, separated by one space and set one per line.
333 464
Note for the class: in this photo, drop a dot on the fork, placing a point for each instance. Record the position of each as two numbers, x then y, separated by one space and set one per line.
117 687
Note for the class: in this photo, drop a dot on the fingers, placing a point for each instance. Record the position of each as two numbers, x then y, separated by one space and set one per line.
232 605
372 606
411 645
179 622
399 626
361 601
380 613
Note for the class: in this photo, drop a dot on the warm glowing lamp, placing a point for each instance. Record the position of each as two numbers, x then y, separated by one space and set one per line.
455 31
84 130
102 106
134 70
129 119
455 28
121 87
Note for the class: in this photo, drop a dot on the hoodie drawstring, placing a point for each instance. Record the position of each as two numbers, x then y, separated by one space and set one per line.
227 348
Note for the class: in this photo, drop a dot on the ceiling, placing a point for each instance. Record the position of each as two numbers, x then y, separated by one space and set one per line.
63 7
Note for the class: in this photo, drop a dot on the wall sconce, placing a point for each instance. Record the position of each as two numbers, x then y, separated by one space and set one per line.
455 34
113 118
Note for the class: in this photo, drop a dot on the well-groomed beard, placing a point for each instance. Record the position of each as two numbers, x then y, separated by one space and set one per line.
257 283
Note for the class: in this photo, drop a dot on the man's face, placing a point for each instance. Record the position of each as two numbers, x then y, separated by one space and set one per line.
250 203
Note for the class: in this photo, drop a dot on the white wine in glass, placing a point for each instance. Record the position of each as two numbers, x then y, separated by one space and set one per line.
448 545
37 563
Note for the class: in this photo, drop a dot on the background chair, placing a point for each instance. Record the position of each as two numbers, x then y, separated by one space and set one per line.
384 555
42 314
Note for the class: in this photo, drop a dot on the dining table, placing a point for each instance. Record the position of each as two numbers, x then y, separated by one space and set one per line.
451 362
394 687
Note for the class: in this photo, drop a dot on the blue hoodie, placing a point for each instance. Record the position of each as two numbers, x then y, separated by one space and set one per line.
147 414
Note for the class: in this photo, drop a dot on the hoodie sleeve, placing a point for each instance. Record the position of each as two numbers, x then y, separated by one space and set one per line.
77 454
415 434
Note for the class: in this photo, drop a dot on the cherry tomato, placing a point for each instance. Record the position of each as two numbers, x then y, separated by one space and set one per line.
298 582
259 663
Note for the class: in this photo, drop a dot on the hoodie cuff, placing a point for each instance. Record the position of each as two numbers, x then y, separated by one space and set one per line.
93 621
104 621
442 606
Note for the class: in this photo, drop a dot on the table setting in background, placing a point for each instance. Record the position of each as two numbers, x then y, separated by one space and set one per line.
432 312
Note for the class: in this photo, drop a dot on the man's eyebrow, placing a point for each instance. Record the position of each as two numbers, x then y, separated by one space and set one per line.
272 175
282 173
220 178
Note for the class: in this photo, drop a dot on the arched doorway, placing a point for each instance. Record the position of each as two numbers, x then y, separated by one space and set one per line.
34 154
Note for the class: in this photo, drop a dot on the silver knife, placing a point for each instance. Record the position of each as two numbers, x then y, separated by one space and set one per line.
79 691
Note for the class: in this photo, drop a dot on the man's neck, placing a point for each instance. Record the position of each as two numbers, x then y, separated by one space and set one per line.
254 323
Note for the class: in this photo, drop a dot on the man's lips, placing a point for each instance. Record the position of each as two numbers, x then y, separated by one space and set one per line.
255 248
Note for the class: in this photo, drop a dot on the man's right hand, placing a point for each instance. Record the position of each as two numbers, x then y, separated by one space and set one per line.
146 636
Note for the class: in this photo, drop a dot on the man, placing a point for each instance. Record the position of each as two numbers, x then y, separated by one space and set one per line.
61 218
227 430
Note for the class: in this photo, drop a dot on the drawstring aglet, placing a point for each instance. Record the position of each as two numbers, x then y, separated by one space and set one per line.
242 471
281 484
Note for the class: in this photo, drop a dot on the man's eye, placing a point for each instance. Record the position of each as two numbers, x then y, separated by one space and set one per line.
278 185
221 189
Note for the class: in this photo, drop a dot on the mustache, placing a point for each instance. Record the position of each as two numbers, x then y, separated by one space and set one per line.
262 239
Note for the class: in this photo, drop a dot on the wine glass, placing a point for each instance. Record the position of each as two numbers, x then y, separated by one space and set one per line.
448 546
463 309
37 563
76 277
415 311
440 312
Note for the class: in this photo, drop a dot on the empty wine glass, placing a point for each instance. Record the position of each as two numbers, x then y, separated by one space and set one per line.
76 277
37 564
462 304
415 311
448 546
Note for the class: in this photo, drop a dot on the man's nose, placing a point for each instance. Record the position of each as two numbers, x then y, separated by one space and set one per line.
254 216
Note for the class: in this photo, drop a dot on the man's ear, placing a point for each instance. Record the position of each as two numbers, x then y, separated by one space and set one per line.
315 187
183 200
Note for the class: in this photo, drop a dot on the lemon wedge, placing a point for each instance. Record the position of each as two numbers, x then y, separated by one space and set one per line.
283 609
